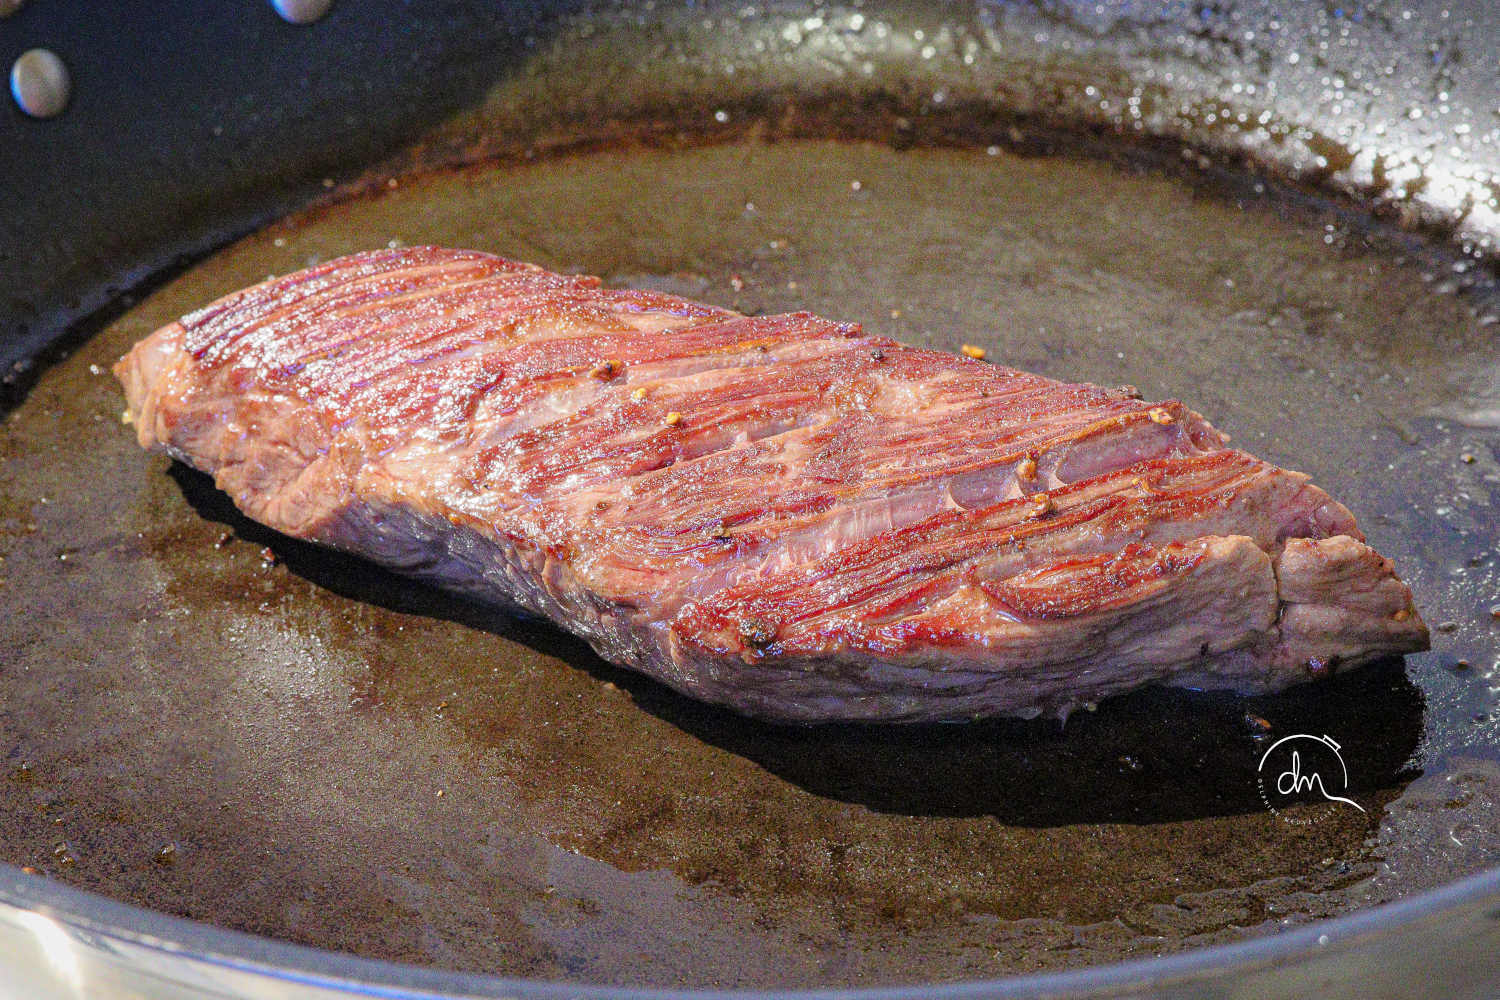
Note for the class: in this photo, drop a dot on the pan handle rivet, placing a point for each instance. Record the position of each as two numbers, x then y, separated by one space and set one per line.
300 11
39 82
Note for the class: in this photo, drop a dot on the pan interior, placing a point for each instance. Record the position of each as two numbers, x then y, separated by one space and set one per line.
203 717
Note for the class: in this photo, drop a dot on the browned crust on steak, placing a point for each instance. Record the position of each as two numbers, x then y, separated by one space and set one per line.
781 514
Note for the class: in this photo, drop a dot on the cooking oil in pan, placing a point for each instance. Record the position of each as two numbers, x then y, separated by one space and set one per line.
335 756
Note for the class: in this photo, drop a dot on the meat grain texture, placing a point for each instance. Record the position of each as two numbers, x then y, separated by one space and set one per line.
781 514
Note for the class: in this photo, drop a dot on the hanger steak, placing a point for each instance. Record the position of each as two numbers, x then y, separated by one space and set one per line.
781 514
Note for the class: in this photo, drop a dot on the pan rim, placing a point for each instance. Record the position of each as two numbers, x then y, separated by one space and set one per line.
178 939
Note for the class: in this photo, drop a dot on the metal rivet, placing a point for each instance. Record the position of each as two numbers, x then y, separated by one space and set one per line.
39 82
9 7
301 11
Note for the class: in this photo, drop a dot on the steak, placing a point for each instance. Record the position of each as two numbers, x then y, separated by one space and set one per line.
781 514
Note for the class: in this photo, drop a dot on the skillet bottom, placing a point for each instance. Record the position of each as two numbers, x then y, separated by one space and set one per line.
304 747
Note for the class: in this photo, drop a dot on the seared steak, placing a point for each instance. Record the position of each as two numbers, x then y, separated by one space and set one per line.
781 514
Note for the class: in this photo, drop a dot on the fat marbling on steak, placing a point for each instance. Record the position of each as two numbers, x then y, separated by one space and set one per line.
781 514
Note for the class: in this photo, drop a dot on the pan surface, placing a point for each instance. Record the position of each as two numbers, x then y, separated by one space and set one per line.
235 727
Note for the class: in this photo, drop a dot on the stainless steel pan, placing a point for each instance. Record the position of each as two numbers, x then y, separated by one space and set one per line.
225 750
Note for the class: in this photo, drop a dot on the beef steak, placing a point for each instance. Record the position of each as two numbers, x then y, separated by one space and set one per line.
781 514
